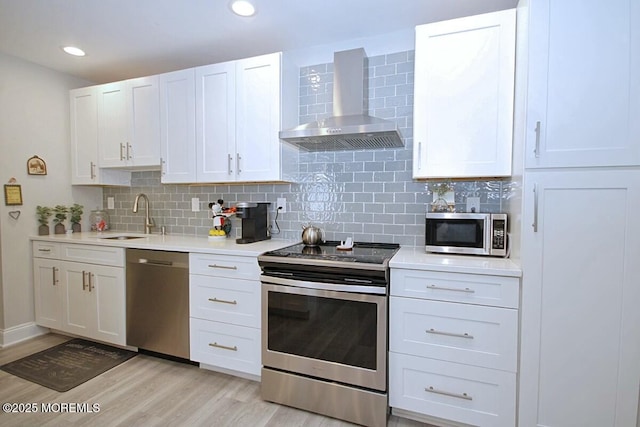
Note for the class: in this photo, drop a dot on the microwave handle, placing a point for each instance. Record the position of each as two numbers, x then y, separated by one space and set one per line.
488 233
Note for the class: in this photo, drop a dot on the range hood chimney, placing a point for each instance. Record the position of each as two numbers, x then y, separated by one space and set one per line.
350 128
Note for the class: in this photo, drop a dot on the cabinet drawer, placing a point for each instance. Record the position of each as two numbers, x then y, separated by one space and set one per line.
225 346
103 255
45 250
463 333
225 300
451 391
496 291
236 267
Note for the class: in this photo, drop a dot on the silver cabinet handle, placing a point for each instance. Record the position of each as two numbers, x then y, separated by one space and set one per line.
89 275
84 280
229 160
224 347
450 334
121 151
92 170
55 277
419 155
535 208
129 151
162 172
234 302
464 396
443 288
225 267
44 250
238 163
536 149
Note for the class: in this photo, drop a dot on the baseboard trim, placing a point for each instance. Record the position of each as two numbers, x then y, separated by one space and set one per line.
20 333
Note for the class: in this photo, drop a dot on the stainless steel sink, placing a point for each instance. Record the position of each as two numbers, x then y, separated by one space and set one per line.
122 237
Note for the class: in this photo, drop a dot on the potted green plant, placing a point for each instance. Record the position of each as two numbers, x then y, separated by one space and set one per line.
60 215
43 213
75 212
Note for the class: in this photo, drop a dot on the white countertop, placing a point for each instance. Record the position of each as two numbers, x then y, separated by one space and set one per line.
178 243
406 257
418 259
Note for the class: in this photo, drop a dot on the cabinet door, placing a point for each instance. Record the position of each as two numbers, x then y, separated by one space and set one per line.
84 136
143 114
107 290
463 97
112 124
258 118
216 123
78 306
177 126
580 297
47 292
584 91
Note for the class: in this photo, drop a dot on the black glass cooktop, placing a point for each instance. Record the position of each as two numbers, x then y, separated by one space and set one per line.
362 252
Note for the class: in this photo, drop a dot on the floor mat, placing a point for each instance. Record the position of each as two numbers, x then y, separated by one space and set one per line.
69 364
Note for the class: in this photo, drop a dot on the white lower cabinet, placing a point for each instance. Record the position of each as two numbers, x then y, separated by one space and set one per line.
580 349
224 309
452 357
452 391
80 289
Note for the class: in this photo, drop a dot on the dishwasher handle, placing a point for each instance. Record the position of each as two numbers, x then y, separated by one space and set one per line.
161 263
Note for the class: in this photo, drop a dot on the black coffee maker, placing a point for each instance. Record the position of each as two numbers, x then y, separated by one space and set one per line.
255 221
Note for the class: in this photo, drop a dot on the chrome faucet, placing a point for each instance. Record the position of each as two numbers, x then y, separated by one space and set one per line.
148 221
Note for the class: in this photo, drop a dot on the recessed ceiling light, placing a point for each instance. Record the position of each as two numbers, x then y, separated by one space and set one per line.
243 8
75 51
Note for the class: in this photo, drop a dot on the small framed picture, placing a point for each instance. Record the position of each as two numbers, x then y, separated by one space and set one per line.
12 195
36 166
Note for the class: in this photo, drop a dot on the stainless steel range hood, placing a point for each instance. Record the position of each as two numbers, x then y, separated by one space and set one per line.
350 128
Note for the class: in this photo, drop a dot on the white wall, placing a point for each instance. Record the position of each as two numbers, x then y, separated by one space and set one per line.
34 120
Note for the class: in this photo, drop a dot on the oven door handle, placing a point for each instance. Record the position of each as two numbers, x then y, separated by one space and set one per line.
363 289
362 281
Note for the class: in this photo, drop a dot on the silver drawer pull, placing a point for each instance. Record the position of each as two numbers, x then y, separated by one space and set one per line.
443 288
234 302
224 347
450 334
226 267
44 250
464 396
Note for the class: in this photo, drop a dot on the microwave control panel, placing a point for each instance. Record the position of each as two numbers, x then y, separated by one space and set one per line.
499 233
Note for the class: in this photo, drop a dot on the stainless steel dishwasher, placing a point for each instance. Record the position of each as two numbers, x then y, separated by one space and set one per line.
158 301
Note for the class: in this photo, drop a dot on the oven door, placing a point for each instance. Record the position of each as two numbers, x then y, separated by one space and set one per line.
337 336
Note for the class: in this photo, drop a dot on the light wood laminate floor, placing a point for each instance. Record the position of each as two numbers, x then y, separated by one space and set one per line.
150 391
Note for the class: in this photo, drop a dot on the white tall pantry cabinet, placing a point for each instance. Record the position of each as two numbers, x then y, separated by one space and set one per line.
580 326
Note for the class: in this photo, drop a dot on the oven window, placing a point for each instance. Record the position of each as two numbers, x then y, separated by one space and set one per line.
327 329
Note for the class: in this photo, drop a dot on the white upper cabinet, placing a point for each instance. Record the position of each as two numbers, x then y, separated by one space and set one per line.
220 123
129 123
584 84
463 97
216 122
178 126
239 112
85 168
258 102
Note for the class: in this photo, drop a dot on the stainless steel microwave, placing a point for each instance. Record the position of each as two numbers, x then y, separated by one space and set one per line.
467 233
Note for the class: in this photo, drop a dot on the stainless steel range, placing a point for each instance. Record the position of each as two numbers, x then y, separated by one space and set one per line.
324 329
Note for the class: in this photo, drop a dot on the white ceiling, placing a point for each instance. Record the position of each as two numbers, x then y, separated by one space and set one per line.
130 38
